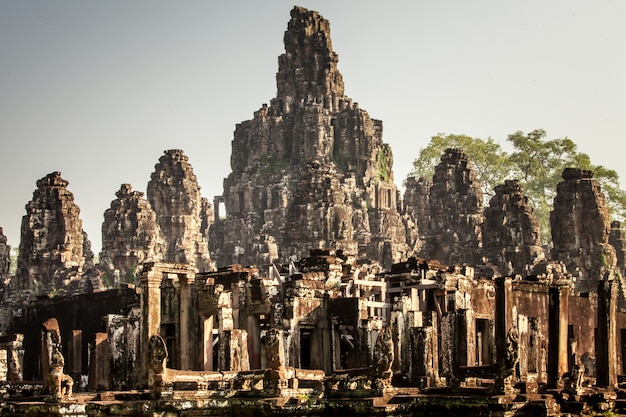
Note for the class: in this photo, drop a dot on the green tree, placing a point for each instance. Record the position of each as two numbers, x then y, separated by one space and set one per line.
540 164
537 162
487 157
13 267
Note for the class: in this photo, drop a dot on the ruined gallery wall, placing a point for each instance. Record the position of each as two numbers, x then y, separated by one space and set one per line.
82 312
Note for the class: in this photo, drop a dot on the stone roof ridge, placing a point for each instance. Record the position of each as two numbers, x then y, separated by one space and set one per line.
308 68
576 174
126 191
53 179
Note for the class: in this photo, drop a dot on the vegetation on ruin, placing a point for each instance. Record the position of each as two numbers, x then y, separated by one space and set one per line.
271 165
13 265
384 163
537 162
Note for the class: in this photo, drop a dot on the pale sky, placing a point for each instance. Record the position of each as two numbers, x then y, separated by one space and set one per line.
99 89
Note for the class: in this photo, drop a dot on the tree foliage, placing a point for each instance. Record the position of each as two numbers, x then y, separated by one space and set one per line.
487 157
535 161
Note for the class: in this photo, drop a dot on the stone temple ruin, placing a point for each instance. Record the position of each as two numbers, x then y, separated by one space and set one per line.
321 290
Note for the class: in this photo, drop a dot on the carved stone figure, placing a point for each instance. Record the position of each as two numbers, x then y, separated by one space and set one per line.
60 384
157 354
383 356
512 351
274 349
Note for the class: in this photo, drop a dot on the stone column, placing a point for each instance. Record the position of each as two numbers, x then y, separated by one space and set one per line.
422 356
466 338
503 316
504 329
99 369
187 341
558 318
207 344
13 345
150 314
606 337
75 355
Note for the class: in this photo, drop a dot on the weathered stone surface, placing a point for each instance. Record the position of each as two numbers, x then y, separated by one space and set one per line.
130 236
310 170
456 210
510 233
174 194
417 201
54 249
5 261
207 217
617 239
580 229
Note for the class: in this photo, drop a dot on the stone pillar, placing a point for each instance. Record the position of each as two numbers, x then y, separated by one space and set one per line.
254 341
504 330
503 316
187 341
466 338
423 356
606 337
75 355
226 326
448 353
558 313
150 314
13 347
99 362
207 344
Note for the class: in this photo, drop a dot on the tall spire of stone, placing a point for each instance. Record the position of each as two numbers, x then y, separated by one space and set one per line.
130 235
456 212
510 232
54 248
307 71
310 170
581 228
174 194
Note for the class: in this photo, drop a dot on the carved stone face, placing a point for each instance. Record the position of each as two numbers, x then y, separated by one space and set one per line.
157 354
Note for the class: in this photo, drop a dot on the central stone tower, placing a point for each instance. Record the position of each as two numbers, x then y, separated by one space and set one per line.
310 170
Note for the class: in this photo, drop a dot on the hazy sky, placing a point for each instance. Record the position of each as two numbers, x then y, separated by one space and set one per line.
99 89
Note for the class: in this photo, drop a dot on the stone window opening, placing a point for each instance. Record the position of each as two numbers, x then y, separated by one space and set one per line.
346 351
484 338
168 331
305 348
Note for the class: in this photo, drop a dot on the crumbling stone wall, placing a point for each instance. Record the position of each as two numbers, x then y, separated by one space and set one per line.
417 201
130 236
5 262
54 249
174 194
580 229
310 170
510 231
617 239
456 212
